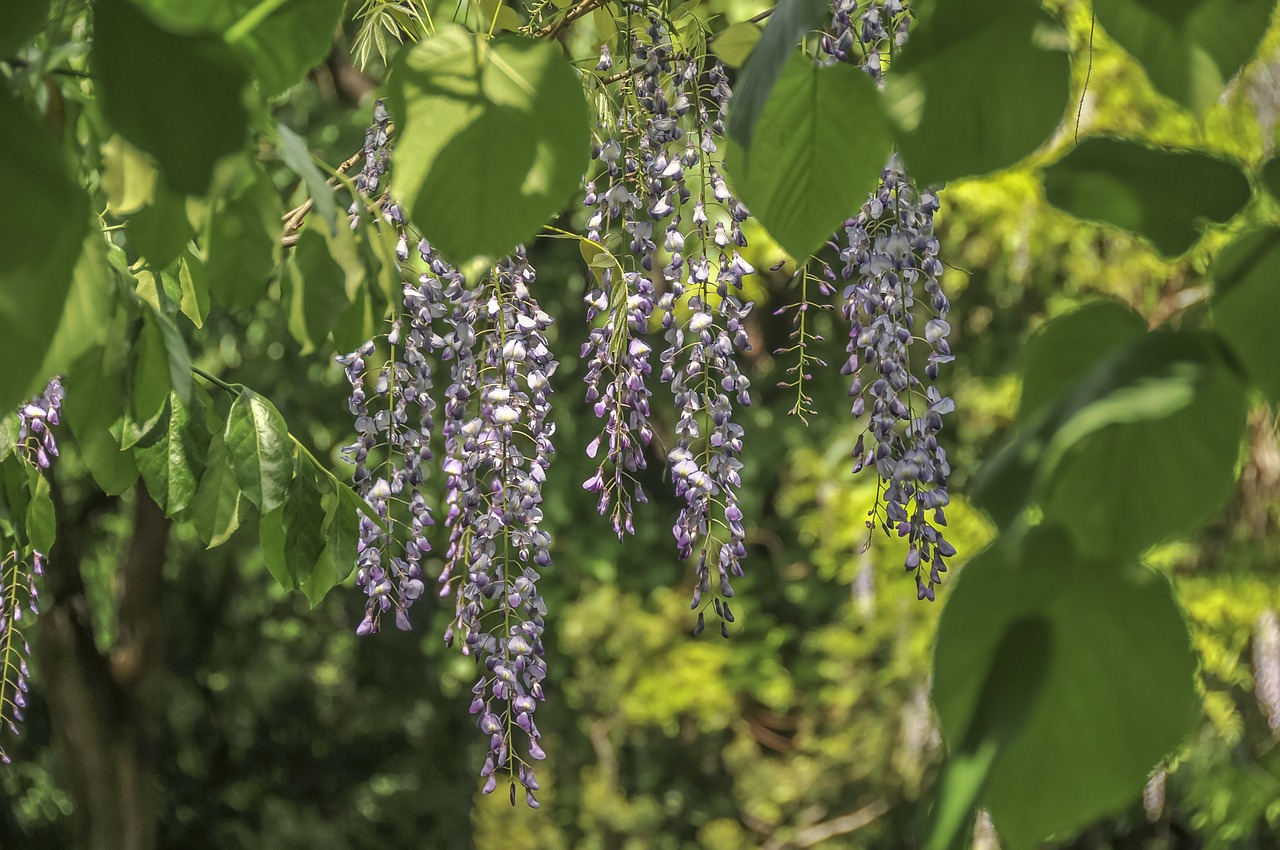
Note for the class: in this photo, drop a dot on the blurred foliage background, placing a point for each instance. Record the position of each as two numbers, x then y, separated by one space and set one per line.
811 727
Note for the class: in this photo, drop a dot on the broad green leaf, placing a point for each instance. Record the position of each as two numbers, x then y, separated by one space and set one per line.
317 291
1246 304
1142 449
734 44
304 519
10 428
242 239
174 456
341 533
356 325
376 244
95 401
1158 194
498 15
816 153
280 48
147 80
1068 347
41 523
150 379
1013 683
15 487
179 358
1190 49
1113 625
92 297
976 89
271 538
44 224
259 450
20 21
790 22
293 150
194 301
128 177
215 509
492 139
161 230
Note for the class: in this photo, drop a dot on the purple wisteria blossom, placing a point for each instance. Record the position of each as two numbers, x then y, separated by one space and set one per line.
497 434
394 418
893 300
22 565
660 198
498 446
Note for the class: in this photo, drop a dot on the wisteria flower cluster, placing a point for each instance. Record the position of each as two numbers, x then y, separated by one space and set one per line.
496 430
461 378
892 300
681 229
21 569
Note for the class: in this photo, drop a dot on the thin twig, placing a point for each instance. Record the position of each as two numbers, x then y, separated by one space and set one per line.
818 833
293 218
1093 19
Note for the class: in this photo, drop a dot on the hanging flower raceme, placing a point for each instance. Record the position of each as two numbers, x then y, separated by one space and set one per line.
22 566
393 409
892 300
498 447
658 178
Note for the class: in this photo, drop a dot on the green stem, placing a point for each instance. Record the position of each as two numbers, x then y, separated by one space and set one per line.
241 28
217 382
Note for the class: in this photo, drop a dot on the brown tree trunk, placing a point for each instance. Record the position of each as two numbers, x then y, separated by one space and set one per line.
108 710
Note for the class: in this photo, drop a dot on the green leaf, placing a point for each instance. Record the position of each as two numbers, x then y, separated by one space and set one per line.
145 78
1013 683
215 510
817 151
150 379
293 150
1068 347
493 138
1246 302
44 224
317 291
734 44
41 523
304 518
128 177
500 17
15 488
92 297
787 26
1190 49
195 291
95 401
1114 626
161 230
21 21
1142 449
242 239
10 428
954 119
356 324
259 450
173 457
271 538
1158 194
341 533
290 41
